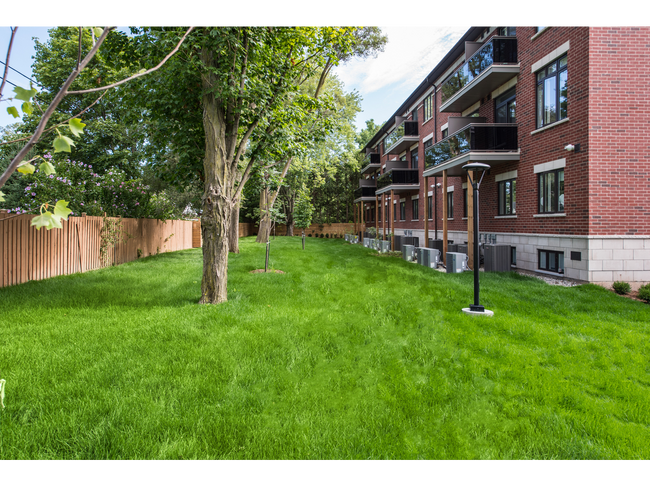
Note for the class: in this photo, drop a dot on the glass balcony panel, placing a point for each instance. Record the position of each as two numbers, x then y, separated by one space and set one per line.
364 192
398 176
372 158
498 50
474 137
407 128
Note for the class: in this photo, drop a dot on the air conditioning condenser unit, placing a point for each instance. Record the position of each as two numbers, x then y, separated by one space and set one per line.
456 262
408 252
428 257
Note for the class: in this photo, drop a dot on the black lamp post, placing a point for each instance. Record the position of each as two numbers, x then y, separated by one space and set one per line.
476 308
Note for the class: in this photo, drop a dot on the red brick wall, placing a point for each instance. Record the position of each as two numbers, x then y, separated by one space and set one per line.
619 128
608 115
547 145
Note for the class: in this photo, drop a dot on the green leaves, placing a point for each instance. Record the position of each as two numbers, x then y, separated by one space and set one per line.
1 196
76 127
26 168
47 168
24 95
61 209
97 31
62 144
51 220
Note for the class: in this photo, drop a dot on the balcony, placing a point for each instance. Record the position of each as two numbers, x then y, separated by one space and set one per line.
403 137
477 142
490 67
364 193
371 163
399 180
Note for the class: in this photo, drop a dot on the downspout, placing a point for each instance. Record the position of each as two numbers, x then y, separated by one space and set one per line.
435 140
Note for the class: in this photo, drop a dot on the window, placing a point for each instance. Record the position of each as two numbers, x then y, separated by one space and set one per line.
394 212
551 191
403 158
445 133
450 204
506 107
507 31
428 144
430 203
415 208
402 210
379 215
507 197
552 93
428 107
465 202
414 115
550 260
414 159
513 256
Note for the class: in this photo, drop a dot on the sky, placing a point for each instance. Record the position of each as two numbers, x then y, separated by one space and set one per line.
383 82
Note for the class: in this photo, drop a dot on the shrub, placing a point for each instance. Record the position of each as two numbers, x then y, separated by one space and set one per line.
321 235
327 235
621 287
309 235
113 192
644 292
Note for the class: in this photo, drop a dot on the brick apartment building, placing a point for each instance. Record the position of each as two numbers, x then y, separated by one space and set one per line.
518 99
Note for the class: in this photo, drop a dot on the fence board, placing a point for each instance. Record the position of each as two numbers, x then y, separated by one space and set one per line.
29 254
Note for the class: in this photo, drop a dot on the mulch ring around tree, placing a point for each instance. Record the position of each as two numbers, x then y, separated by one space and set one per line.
257 271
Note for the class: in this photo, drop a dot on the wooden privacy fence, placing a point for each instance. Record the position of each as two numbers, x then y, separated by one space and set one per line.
28 254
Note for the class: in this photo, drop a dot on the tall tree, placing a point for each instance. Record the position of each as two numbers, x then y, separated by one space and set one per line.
366 42
61 143
245 75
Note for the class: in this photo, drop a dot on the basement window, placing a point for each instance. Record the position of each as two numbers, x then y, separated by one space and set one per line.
551 261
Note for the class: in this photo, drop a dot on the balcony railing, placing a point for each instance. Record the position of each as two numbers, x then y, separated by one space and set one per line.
493 137
364 192
372 158
407 128
498 50
398 176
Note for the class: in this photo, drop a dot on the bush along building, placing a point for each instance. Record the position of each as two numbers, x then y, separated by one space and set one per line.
561 115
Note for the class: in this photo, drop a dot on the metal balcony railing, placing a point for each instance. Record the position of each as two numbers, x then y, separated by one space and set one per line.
372 158
407 128
485 137
365 192
497 50
398 176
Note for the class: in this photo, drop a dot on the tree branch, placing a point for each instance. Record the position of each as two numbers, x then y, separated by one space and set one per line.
113 85
4 76
79 53
59 124
50 109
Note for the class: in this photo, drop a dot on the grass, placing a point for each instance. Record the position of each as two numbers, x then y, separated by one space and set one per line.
347 355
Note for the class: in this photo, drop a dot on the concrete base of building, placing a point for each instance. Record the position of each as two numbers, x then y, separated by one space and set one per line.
598 259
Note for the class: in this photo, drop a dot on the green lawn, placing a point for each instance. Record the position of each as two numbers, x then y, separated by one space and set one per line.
347 355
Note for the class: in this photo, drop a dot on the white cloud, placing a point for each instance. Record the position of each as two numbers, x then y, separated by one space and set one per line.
410 54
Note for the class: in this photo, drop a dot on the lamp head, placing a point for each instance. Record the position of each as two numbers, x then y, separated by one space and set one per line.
476 166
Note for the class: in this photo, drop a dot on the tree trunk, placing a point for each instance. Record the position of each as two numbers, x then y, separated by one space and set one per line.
217 208
233 236
289 203
264 230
